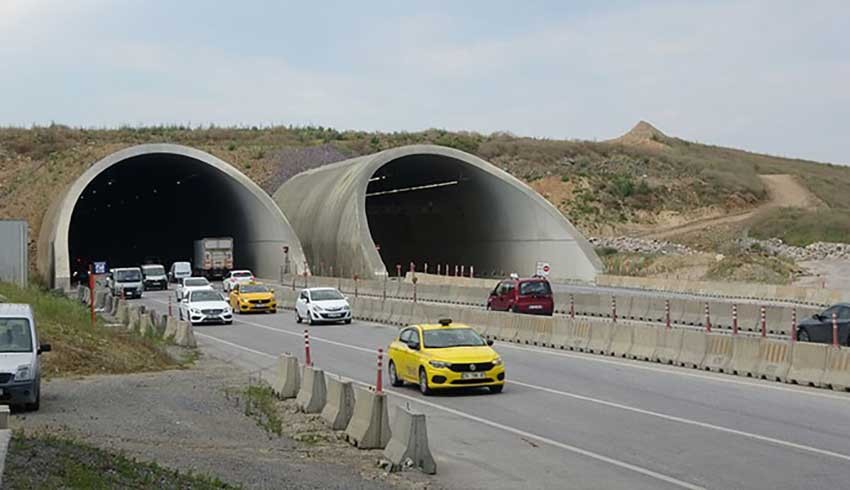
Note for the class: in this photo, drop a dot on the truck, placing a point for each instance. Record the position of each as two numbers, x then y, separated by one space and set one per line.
213 257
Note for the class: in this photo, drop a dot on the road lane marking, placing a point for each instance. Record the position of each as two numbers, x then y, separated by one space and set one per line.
497 425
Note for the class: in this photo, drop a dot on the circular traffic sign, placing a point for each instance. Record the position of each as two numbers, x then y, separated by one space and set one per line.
546 269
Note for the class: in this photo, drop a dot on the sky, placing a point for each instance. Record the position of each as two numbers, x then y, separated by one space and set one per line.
767 76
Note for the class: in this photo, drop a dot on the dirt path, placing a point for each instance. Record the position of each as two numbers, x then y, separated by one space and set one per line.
783 191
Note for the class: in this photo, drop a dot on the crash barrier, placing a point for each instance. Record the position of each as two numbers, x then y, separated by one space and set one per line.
669 345
311 395
134 317
745 356
100 298
644 342
339 405
408 445
774 359
692 352
170 328
4 417
145 324
600 337
837 375
108 302
114 309
369 427
718 353
184 335
285 378
621 340
808 363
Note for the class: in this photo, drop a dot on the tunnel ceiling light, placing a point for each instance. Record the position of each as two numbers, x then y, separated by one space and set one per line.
374 179
415 188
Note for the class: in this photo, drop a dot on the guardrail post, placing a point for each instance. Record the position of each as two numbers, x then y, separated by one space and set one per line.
763 322
734 319
834 330
379 385
307 360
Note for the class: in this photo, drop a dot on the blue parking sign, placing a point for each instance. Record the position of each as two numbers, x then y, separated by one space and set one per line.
100 267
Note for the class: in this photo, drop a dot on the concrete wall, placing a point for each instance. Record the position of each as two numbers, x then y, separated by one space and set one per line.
13 252
508 227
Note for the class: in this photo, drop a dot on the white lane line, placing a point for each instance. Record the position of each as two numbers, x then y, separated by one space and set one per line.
506 428
675 371
681 420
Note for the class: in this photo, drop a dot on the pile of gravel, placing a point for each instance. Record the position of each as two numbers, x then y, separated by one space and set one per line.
815 251
639 245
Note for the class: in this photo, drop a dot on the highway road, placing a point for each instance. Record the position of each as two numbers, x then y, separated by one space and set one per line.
571 420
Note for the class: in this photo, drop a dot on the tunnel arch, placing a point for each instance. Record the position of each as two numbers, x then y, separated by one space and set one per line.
426 203
215 200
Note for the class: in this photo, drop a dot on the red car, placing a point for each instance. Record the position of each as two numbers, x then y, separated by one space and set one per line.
532 296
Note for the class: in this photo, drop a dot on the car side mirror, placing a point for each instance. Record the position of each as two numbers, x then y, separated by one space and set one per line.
44 348
413 345
306 300
489 341
817 316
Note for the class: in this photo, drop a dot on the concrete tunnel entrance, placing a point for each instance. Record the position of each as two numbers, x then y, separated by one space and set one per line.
148 204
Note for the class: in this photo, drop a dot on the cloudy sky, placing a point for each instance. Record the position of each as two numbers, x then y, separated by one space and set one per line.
770 76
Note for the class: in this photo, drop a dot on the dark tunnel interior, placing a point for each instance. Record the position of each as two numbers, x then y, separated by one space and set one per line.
150 209
432 209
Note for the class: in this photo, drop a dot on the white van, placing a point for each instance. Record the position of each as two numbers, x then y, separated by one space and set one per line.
179 270
20 374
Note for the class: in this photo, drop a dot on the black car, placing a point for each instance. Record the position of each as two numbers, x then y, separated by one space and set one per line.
818 328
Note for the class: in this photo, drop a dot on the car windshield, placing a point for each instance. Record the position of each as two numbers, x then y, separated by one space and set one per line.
153 270
204 296
326 295
253 288
131 275
452 337
242 274
196 281
15 335
535 288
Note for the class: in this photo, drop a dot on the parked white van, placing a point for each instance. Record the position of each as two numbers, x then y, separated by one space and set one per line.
20 374
179 270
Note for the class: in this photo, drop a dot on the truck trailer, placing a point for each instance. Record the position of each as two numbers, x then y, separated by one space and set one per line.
213 257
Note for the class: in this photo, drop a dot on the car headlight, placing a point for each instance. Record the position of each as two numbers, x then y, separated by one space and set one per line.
228 310
24 373
439 364
497 361
194 311
318 308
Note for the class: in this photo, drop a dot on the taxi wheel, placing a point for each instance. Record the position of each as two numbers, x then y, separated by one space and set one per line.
394 379
496 389
423 382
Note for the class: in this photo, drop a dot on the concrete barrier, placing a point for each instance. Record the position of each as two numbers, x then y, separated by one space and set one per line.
114 309
285 377
369 427
581 333
408 446
4 417
185 335
563 329
123 312
100 298
543 331
669 345
640 308
774 359
837 375
694 346
511 323
170 328
158 321
600 337
745 356
145 325
644 342
134 316
718 353
621 340
525 328
313 392
808 363
339 405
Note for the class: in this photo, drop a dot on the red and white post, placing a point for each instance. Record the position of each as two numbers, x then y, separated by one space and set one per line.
169 306
438 269
667 313
707 318
835 330
307 360
398 270
425 270
91 296
471 271
462 271
734 319
614 309
572 307
456 270
793 324
763 322
379 382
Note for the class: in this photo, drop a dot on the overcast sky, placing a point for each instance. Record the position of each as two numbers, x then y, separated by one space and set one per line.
769 76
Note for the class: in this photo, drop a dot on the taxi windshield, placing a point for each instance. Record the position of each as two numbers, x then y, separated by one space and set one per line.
452 337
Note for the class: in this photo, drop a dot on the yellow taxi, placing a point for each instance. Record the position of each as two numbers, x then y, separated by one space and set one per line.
246 297
443 356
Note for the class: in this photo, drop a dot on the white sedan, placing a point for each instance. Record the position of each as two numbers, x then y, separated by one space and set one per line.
190 284
205 306
236 277
316 305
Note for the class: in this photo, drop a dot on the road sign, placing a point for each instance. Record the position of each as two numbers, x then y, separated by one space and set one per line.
100 267
286 249
543 269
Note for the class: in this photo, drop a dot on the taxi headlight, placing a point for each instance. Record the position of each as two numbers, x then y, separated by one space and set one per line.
439 364
497 361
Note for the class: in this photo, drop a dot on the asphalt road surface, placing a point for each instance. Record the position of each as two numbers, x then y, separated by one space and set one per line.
570 420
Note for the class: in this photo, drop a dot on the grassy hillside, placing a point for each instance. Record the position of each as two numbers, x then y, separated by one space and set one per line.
635 179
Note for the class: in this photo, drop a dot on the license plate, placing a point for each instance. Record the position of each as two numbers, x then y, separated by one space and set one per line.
535 307
471 375
335 315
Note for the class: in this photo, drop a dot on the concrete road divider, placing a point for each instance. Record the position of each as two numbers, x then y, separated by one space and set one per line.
837 374
621 340
600 336
100 298
134 316
563 329
114 309
808 363
170 328
145 324
159 321
184 336
580 337
285 377
543 330
340 402
4 417
644 342
369 427
774 359
694 346
123 312
511 325
525 327
745 356
408 446
640 308
669 345
313 392
718 354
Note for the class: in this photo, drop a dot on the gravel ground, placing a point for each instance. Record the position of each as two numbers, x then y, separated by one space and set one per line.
190 420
